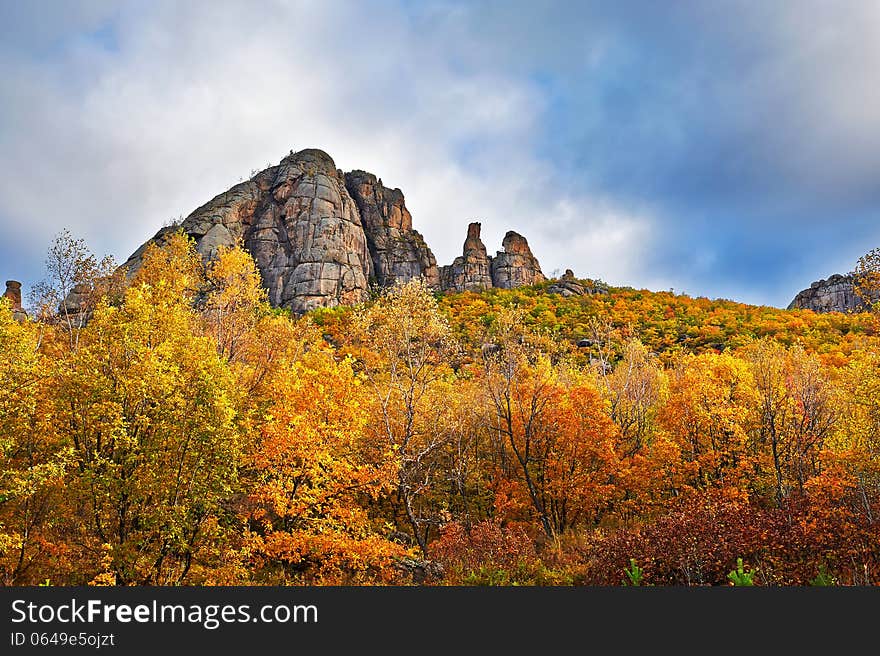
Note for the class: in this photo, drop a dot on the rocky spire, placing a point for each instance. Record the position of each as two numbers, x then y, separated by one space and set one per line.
13 293
471 271
515 266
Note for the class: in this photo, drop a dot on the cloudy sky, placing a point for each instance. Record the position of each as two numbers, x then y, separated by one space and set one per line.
720 148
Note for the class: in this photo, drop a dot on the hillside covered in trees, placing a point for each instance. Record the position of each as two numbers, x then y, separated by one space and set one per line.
177 429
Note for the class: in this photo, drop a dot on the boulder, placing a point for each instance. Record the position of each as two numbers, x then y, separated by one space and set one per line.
76 308
568 285
419 572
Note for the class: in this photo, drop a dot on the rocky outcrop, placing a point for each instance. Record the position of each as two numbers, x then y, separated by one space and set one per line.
13 295
300 224
398 252
837 294
568 285
515 266
320 237
472 270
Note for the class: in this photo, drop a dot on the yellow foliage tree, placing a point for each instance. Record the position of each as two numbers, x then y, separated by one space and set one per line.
150 411
856 440
32 459
709 414
236 300
405 349
794 411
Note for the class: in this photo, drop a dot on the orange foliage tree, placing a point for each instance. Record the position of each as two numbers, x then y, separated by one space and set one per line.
314 473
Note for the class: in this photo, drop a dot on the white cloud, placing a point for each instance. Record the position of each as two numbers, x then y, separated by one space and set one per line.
111 128
113 142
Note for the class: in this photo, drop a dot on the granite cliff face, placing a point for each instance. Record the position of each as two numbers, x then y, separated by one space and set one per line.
301 226
321 237
837 294
399 253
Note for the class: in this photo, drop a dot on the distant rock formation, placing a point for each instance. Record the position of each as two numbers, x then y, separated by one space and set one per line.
320 237
13 293
567 285
399 253
515 266
474 270
837 294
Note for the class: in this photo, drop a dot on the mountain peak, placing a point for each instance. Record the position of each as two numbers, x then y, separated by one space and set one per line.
319 237
311 156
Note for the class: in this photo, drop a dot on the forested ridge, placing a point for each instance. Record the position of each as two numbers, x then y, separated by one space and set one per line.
176 429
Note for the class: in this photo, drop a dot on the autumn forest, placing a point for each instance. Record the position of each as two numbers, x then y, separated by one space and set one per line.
177 430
